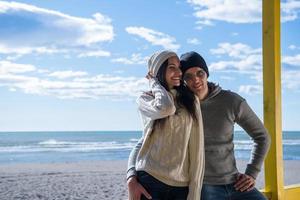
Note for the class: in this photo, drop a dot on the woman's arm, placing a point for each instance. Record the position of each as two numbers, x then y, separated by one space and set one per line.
159 104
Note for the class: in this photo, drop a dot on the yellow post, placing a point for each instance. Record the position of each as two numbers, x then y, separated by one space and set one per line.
292 192
272 98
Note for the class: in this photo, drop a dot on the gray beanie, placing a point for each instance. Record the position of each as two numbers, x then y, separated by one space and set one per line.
157 59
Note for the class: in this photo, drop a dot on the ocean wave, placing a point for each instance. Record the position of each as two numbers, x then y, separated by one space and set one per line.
53 145
134 140
66 146
247 144
291 142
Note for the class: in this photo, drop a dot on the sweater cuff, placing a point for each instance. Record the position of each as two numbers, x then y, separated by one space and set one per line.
130 173
152 82
194 192
251 171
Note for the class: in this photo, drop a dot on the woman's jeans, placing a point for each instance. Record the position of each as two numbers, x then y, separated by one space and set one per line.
228 192
159 190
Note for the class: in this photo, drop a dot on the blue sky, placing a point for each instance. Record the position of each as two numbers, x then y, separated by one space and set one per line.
79 65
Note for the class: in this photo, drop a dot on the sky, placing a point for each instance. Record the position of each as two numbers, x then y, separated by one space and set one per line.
79 65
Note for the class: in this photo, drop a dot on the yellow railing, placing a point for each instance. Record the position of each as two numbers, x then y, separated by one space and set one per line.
274 185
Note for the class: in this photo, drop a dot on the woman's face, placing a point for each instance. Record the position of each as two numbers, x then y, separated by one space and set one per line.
196 80
173 72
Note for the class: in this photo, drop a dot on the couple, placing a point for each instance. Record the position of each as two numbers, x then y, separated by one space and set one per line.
187 148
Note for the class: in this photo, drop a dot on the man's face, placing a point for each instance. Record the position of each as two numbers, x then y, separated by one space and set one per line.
196 79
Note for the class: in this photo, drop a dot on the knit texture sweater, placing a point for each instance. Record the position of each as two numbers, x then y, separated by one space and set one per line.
174 152
221 110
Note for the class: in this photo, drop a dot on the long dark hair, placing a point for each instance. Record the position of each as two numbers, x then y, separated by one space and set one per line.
185 98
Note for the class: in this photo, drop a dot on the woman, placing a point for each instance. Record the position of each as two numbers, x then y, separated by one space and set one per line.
170 162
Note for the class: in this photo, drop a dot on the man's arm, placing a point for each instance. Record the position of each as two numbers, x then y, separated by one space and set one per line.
135 189
249 121
132 159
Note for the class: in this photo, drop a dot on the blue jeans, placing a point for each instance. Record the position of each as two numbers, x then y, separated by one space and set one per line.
228 192
159 190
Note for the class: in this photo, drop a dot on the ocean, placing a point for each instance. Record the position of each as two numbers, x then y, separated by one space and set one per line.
57 147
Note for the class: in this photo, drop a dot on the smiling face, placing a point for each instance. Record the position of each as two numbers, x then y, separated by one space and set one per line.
196 80
173 72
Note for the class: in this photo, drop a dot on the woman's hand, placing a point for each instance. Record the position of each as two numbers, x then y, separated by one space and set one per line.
149 75
136 190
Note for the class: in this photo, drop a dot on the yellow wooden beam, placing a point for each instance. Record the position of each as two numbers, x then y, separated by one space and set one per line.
267 194
292 192
272 98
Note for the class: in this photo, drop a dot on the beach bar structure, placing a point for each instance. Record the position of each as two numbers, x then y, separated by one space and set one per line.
274 184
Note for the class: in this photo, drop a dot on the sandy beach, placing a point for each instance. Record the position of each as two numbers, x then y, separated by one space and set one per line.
85 180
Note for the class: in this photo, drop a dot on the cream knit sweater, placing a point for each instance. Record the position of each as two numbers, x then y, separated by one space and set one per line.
173 153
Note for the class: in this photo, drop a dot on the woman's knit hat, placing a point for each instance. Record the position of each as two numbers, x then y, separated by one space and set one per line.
157 59
192 59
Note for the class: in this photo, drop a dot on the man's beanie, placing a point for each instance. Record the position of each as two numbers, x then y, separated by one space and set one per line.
157 59
192 59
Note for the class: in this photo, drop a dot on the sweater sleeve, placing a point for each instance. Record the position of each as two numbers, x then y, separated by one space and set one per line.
132 159
196 158
249 121
157 105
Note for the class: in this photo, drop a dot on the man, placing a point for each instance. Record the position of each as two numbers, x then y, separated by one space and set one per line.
221 109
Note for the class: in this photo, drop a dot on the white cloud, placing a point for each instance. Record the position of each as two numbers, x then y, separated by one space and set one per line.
291 60
290 10
238 11
43 71
67 74
251 89
246 60
49 31
244 57
136 59
238 50
291 79
13 77
28 50
18 52
119 71
228 78
154 37
250 63
193 41
9 67
94 54
257 75
233 11
292 47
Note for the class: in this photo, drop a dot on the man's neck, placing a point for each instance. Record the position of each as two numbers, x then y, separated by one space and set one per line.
203 94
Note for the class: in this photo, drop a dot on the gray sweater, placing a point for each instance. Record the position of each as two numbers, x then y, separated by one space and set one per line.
220 111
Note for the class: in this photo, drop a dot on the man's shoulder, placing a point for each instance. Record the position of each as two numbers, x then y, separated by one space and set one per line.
230 95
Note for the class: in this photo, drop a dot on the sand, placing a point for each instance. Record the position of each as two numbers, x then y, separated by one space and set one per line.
84 180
